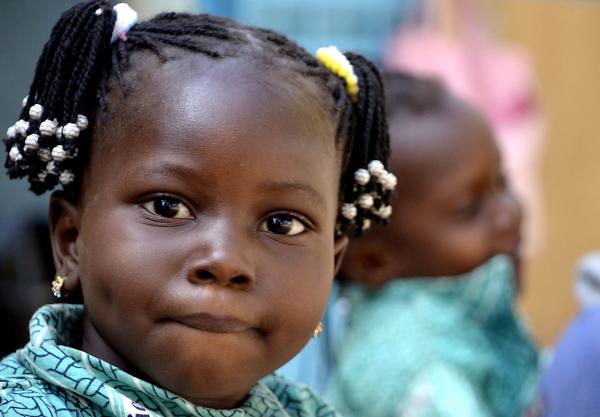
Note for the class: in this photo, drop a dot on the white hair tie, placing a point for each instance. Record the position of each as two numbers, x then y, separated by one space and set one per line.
126 18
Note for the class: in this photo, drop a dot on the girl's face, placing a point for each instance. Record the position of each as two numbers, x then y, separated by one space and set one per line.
204 235
452 210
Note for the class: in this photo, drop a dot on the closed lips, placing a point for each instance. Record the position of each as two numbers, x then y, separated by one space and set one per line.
210 323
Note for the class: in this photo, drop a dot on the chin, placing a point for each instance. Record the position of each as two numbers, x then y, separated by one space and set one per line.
218 390
456 269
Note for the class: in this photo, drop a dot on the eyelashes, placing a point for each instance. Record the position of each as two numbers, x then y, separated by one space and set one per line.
168 207
282 223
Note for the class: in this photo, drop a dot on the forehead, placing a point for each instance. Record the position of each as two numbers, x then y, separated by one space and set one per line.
450 147
223 92
218 113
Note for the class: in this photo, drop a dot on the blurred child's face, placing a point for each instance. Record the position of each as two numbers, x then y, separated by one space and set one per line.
452 210
204 236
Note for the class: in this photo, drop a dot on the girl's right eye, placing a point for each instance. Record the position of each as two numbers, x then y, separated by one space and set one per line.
168 207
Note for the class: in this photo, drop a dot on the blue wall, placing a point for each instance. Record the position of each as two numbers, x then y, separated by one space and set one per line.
355 25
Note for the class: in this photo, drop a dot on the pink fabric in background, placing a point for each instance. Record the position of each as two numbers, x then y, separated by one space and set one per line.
499 81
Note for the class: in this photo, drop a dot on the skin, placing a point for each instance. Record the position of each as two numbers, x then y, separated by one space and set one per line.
203 239
452 210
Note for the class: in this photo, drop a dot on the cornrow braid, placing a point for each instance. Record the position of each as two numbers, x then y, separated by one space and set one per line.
51 141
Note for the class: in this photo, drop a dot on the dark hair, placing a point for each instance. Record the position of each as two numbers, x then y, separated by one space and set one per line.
74 69
409 95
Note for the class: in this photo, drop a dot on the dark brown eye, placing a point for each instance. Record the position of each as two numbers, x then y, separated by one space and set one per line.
470 209
168 207
282 224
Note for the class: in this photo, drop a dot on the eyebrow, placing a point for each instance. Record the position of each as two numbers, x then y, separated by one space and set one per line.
161 168
285 186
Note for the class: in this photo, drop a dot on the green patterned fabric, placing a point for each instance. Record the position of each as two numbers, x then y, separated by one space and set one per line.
451 347
49 377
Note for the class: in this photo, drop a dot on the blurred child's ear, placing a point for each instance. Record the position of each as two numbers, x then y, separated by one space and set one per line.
339 248
368 262
64 220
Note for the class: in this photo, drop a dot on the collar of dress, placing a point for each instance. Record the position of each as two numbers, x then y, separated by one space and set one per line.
89 381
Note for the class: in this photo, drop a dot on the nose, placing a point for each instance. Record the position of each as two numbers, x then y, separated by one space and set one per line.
222 257
507 223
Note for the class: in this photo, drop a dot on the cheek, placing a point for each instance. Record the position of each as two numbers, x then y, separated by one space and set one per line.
298 296
441 243
120 267
467 245
304 283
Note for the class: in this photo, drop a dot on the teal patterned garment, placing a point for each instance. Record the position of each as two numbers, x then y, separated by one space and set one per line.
50 378
450 347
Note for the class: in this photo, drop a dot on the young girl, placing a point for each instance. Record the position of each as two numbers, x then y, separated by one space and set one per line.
203 166
432 329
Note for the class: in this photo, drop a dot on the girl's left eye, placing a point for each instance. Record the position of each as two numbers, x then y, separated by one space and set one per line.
470 209
283 224
169 207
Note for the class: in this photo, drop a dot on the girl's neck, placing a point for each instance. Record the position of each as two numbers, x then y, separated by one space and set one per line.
95 345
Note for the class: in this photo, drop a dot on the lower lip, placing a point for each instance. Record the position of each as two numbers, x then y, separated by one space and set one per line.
212 325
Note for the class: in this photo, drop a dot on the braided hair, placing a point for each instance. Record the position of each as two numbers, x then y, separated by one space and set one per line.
50 143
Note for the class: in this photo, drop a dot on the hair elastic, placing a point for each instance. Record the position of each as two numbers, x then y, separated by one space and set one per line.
337 63
126 18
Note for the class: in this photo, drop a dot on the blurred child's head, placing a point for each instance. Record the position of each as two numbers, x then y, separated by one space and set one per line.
200 205
452 210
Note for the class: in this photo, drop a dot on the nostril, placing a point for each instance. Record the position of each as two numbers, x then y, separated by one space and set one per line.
205 275
239 280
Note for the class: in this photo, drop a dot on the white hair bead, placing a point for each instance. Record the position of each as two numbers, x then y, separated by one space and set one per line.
362 176
31 142
70 131
66 177
11 132
59 153
376 168
59 132
389 181
15 154
349 211
366 224
44 154
51 168
48 127
35 111
385 212
41 176
82 122
21 126
24 102
365 201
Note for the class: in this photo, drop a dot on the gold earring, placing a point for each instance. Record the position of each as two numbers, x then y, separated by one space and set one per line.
318 330
57 285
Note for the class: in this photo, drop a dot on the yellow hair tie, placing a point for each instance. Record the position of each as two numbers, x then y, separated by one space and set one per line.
337 63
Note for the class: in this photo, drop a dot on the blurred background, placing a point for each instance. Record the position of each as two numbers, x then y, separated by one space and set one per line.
532 67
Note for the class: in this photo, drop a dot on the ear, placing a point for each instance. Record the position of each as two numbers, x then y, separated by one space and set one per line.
339 247
367 263
64 220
